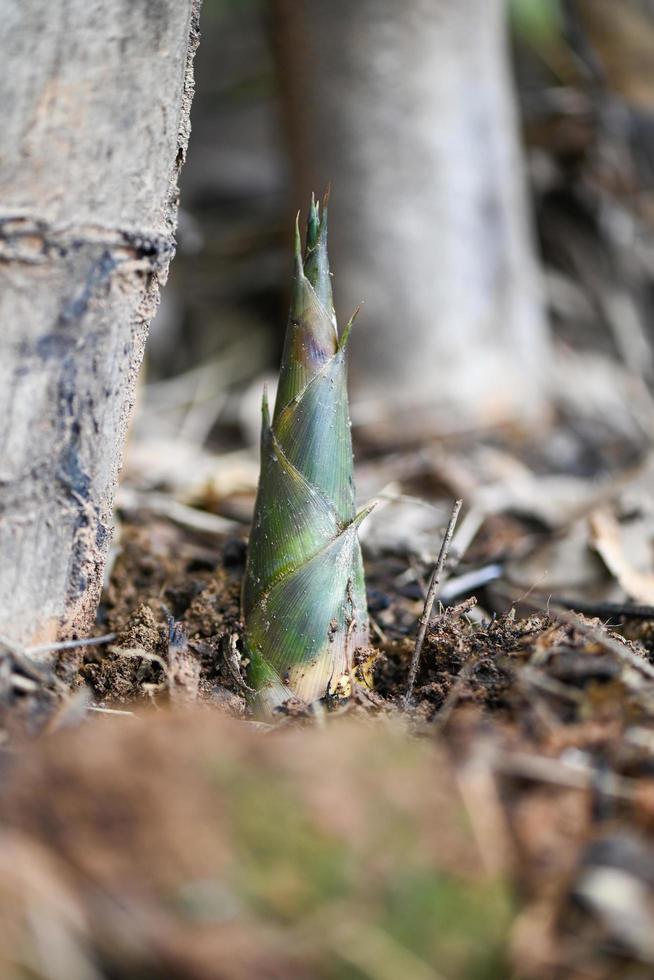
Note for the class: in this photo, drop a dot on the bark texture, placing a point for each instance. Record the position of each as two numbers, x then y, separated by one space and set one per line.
96 100
408 110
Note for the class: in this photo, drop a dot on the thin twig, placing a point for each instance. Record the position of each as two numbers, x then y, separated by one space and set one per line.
605 610
454 693
164 505
432 592
609 643
137 653
550 685
90 641
110 711
477 578
543 769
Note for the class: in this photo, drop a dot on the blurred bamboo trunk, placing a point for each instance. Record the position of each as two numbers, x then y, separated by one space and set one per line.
408 110
96 100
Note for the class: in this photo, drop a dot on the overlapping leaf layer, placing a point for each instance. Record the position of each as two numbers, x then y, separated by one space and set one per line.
304 601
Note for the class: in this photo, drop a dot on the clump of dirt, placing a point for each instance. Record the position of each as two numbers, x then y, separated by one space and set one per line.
216 609
173 602
134 665
168 568
474 663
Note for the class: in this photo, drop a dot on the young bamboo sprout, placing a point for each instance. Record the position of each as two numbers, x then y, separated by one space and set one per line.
304 600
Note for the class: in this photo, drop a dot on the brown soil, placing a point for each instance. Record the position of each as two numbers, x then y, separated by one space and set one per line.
525 793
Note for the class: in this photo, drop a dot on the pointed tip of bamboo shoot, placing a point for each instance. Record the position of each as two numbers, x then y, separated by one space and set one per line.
316 261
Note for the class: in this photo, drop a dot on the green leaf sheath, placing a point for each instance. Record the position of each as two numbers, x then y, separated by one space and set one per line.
304 601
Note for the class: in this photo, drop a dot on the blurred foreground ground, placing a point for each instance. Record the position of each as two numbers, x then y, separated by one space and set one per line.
185 846
503 826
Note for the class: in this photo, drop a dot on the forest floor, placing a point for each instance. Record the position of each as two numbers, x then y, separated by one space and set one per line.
500 825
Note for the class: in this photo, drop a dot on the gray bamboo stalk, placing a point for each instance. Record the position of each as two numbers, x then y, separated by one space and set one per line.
96 98
408 109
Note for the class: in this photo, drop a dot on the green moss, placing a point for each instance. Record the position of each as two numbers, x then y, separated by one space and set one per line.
457 924
286 867
378 890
